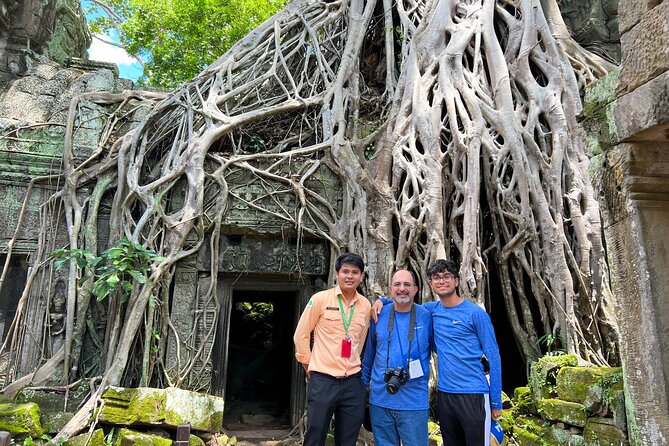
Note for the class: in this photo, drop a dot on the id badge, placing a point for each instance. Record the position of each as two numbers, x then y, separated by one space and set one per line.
345 348
415 369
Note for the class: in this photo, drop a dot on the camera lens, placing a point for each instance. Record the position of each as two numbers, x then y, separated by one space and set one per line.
393 385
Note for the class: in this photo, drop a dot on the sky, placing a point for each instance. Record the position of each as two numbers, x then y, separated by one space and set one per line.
128 66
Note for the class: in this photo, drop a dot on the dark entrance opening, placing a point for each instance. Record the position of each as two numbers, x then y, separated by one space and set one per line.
15 281
260 356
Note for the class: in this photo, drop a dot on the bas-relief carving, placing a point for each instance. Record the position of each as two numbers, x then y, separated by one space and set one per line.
245 254
269 207
182 311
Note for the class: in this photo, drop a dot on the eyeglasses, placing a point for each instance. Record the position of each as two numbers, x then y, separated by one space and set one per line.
442 277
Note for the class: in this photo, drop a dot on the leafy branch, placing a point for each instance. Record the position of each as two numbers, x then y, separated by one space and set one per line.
119 267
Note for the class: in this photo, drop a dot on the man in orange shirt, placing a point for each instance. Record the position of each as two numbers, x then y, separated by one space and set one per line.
339 320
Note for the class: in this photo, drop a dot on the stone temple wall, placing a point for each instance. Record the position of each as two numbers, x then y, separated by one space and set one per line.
628 117
31 30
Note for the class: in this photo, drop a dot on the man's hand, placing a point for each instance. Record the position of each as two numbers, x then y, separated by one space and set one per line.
376 310
496 413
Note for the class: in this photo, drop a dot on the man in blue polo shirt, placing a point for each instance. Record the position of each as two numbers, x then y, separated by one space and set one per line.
396 367
463 333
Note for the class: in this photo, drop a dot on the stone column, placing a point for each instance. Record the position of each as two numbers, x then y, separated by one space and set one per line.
632 175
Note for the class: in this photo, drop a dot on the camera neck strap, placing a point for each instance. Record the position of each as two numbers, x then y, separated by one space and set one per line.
412 331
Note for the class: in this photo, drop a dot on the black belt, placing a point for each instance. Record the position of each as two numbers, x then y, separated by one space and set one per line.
325 375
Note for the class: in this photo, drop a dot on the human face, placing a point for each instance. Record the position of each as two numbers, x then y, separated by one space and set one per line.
402 288
349 277
444 284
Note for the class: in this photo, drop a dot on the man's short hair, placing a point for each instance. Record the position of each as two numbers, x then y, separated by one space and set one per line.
441 266
353 259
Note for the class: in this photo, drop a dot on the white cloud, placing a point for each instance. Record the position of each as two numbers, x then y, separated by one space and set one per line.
104 52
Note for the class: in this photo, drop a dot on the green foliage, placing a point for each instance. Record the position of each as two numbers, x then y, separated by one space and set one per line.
256 310
552 342
29 441
179 38
117 268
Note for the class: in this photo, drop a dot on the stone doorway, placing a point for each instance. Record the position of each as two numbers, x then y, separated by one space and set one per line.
10 294
259 370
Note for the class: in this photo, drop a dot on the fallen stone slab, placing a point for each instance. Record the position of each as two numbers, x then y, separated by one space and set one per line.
21 419
162 407
127 437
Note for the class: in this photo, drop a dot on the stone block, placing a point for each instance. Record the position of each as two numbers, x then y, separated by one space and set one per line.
524 437
617 407
97 439
589 386
644 113
565 436
194 440
558 410
543 374
21 419
127 437
645 50
527 430
162 407
55 399
603 432
523 401
53 422
630 12
506 420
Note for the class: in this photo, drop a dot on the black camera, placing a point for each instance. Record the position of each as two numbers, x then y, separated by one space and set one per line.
394 378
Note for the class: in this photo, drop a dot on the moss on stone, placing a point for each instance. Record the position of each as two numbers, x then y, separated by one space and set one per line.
21 419
603 432
53 422
525 437
543 374
127 437
194 440
97 439
57 399
126 406
523 402
565 411
589 386
566 437
600 93
162 407
507 420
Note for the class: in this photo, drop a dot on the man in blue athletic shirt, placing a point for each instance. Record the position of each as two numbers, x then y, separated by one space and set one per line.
462 334
396 367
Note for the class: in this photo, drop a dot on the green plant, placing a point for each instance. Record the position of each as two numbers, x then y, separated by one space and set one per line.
28 441
119 267
551 342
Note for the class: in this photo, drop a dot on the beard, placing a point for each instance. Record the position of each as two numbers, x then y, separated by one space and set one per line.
403 300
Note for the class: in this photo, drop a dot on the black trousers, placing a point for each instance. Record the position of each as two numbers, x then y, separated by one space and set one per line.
342 397
464 418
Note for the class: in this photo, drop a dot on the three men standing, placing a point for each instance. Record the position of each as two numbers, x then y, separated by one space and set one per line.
396 367
397 361
339 320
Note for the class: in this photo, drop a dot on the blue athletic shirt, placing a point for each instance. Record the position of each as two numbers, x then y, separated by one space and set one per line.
462 334
414 394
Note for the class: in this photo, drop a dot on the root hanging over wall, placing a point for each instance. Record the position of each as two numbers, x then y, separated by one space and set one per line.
451 126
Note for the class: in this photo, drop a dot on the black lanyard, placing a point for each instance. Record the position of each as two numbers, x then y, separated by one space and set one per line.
412 331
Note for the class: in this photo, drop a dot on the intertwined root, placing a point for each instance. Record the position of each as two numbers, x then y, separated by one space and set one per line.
450 125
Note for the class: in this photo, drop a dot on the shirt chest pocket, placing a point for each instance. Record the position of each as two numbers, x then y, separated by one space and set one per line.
332 322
